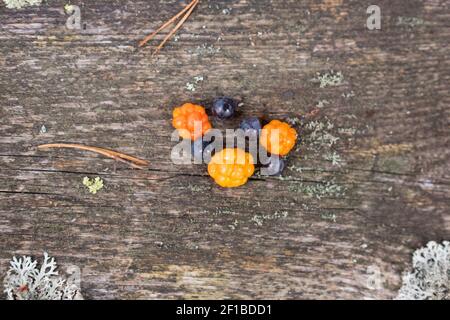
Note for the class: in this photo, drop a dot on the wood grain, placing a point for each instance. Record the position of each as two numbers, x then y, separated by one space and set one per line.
168 232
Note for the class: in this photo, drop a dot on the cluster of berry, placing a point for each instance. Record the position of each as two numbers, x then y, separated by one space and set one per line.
231 167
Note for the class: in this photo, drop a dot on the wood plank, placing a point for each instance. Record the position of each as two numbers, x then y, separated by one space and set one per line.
170 232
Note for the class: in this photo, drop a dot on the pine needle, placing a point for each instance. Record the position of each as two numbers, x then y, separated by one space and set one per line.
187 11
132 161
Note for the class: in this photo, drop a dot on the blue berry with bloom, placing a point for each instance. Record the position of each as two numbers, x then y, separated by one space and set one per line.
251 126
202 150
275 166
224 107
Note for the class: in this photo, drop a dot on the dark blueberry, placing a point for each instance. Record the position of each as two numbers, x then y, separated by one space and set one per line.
197 148
208 152
274 168
251 126
224 107
202 150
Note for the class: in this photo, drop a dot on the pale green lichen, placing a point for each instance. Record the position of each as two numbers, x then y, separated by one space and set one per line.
322 103
327 189
233 225
320 133
294 121
206 50
195 188
223 211
347 131
334 158
330 79
329 216
68 8
94 185
430 276
192 86
409 21
25 280
348 95
43 129
19 4
259 219
320 142
319 190
227 11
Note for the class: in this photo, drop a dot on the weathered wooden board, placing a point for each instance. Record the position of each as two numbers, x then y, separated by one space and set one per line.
322 231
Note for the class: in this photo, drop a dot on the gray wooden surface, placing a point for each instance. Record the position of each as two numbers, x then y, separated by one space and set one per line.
321 231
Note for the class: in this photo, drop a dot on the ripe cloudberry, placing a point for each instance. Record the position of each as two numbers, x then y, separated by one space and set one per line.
187 117
231 168
278 137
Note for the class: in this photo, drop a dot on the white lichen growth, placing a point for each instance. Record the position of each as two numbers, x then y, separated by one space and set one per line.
294 121
192 86
321 104
347 131
334 158
320 133
19 4
430 277
227 11
259 219
329 216
348 95
26 281
409 21
206 50
233 225
43 129
319 190
324 189
330 79
94 185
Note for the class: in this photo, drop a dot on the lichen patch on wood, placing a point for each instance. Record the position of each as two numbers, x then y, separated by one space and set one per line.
167 231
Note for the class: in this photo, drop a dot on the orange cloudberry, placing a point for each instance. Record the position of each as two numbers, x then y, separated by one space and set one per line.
278 137
191 121
231 167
